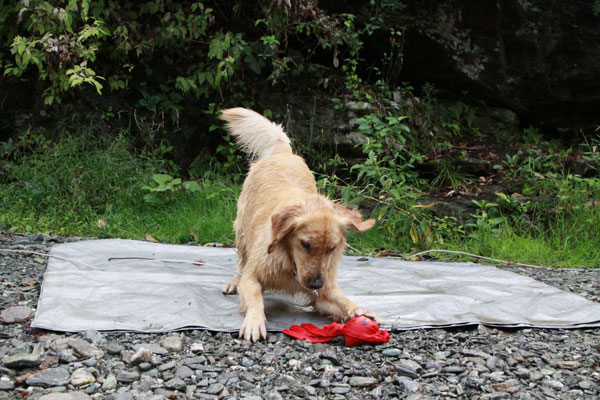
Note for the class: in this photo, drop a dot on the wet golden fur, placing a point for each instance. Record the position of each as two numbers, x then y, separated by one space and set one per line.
289 237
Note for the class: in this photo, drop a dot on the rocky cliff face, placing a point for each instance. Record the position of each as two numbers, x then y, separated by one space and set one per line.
538 58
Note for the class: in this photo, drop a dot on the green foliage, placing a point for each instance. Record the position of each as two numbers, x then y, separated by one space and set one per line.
59 41
164 186
596 7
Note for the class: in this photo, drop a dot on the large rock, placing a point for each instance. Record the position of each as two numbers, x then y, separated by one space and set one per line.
539 58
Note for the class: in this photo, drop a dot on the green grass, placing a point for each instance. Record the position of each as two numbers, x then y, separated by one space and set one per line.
86 186
89 186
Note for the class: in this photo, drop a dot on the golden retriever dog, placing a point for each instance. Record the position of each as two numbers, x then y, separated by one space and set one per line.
289 237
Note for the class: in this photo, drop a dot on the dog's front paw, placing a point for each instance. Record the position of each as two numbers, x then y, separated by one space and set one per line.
367 313
231 287
253 328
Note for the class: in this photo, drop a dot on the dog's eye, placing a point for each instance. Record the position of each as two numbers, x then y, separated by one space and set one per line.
306 245
331 249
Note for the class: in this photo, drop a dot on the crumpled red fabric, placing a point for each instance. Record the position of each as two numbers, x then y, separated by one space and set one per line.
359 330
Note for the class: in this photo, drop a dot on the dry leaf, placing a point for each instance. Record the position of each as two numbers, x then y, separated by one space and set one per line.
101 223
150 238
193 235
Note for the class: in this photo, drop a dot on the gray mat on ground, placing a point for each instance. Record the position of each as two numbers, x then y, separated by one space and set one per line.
88 291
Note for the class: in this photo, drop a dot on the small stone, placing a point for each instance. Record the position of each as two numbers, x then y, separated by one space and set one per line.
81 377
585 385
175 384
362 381
246 362
141 355
494 363
536 376
145 366
49 377
409 384
153 347
85 348
22 360
495 396
173 344
195 362
128 376
454 369
184 372
391 352
340 389
15 314
125 396
197 347
215 388
408 365
66 396
90 362
331 356
113 348
269 359
556 385
568 364
110 383
6 384
523 373
167 366
310 390
95 337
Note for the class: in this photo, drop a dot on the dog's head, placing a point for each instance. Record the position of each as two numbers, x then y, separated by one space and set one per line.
314 236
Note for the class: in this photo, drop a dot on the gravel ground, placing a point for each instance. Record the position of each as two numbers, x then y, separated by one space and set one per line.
473 363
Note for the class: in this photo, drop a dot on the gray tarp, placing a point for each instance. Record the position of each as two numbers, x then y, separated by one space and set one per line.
91 292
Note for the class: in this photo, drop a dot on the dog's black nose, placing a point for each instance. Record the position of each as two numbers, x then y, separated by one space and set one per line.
315 282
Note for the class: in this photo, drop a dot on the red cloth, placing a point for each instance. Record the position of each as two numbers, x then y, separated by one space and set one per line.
359 330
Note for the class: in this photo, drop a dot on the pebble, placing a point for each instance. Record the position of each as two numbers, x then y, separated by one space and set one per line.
175 384
172 344
81 377
85 348
6 384
113 348
215 388
22 360
110 383
128 376
15 314
142 355
391 352
66 396
58 376
246 362
340 389
330 355
184 372
197 347
362 381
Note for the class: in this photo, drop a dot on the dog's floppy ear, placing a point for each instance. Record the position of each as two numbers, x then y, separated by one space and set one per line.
353 218
282 223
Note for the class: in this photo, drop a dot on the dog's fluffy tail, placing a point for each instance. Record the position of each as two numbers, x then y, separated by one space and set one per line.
255 134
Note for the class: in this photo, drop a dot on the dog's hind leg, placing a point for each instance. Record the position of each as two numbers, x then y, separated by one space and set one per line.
231 287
